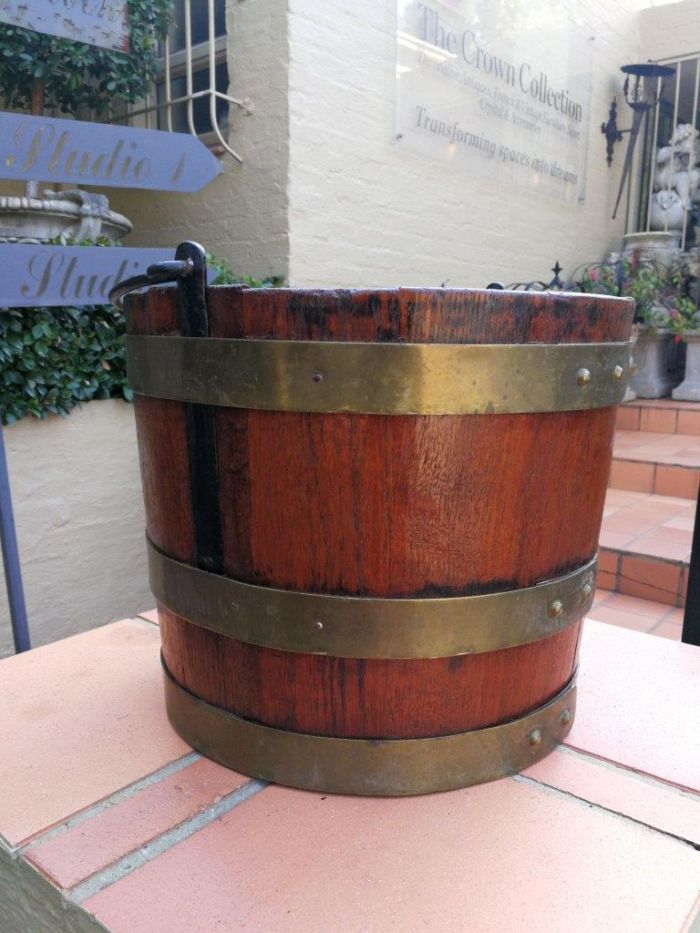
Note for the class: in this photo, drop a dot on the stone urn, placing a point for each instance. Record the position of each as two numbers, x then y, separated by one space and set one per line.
78 214
662 246
652 376
689 389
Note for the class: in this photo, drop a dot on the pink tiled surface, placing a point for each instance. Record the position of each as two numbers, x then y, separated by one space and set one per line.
645 545
518 854
638 703
659 415
80 718
641 615
504 856
654 462
651 802
92 845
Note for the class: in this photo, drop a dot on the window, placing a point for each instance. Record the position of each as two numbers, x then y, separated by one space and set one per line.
191 90
667 193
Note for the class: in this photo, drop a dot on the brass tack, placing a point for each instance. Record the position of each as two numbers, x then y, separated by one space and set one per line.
586 590
618 372
535 737
319 625
317 377
556 608
565 717
583 376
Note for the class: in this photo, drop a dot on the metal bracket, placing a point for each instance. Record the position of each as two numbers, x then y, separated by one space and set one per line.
189 262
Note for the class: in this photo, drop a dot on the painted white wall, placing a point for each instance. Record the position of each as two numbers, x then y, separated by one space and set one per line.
242 216
363 211
78 508
671 30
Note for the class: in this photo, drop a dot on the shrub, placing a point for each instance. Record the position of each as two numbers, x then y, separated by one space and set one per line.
52 359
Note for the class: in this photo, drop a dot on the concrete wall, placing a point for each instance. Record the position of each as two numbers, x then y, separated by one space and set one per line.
242 216
80 524
363 211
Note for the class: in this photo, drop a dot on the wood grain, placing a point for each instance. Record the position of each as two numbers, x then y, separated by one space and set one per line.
386 506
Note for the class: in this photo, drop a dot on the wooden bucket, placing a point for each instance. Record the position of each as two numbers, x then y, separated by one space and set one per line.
372 520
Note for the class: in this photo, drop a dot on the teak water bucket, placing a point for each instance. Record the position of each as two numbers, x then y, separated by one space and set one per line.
372 519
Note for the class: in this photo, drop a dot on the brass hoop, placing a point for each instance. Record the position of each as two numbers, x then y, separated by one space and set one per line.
379 378
372 767
359 627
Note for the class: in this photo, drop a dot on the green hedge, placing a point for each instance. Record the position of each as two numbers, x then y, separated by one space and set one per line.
52 359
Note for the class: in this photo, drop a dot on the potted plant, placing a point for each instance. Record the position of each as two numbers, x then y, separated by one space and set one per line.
41 73
663 311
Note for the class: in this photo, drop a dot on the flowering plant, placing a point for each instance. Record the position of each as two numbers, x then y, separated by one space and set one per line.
661 294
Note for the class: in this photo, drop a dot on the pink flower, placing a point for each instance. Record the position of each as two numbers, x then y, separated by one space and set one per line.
593 275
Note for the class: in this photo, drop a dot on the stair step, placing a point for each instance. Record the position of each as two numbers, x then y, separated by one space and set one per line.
641 615
655 462
663 415
645 544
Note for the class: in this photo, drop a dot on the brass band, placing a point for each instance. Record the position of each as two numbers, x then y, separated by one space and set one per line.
375 767
360 627
379 378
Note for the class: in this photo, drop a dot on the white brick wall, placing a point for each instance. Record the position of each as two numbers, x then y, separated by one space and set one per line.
363 211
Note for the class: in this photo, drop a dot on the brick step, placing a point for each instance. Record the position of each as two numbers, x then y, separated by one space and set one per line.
663 416
645 545
640 615
654 462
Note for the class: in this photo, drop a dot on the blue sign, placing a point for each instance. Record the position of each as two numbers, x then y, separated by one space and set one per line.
32 276
45 149
96 22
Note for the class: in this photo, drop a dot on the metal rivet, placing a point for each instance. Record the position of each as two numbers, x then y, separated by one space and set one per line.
618 372
535 737
565 717
583 376
319 625
317 377
556 608
586 590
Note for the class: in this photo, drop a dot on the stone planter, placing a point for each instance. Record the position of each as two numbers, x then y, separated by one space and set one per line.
662 246
77 214
689 389
652 376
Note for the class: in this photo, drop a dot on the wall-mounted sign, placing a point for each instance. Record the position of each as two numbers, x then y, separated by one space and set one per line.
96 22
501 89
32 276
46 149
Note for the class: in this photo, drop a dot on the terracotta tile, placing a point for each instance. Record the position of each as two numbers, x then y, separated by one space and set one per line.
614 539
650 802
480 859
608 562
643 607
688 422
655 546
626 474
649 579
631 620
151 615
81 718
601 595
658 419
95 843
668 630
607 580
623 496
676 616
676 481
682 587
637 703
625 524
627 419
682 522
